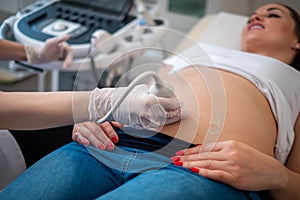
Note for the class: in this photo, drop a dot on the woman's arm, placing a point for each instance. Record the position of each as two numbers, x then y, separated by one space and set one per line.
234 163
243 167
291 177
12 51
33 110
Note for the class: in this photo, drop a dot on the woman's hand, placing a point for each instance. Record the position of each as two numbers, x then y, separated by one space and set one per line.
235 164
102 136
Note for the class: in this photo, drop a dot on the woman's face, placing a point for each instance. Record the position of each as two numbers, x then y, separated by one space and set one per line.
270 28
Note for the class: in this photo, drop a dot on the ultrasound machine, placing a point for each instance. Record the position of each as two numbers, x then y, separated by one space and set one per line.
83 20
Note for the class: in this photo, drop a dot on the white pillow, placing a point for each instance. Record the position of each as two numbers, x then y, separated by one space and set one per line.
221 29
224 29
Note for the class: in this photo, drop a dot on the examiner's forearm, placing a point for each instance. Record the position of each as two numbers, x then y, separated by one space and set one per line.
42 110
12 51
288 186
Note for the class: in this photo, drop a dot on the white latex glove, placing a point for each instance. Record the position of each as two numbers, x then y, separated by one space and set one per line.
54 49
140 109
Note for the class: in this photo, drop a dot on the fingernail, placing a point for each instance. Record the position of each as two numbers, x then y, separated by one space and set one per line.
85 142
114 139
175 158
180 153
101 146
194 169
178 163
110 146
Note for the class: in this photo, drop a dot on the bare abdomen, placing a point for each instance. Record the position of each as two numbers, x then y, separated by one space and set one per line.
248 117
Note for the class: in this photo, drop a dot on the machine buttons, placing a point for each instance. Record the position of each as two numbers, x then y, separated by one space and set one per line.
59 27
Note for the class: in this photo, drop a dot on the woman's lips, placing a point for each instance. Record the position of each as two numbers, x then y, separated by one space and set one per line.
255 26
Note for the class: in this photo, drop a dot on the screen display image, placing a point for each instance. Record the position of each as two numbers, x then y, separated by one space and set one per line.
117 7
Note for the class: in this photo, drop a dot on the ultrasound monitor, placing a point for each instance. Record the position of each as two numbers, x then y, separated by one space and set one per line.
117 8
79 18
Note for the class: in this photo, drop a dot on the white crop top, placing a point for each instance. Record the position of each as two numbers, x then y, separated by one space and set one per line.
279 82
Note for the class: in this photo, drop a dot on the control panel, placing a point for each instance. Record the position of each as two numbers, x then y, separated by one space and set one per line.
80 19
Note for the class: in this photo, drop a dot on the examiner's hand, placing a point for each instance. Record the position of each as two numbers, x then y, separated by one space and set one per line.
55 48
234 163
140 109
102 136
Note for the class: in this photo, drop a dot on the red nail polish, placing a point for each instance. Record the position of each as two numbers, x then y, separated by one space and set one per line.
178 163
198 145
195 170
114 139
101 146
180 153
175 158
110 146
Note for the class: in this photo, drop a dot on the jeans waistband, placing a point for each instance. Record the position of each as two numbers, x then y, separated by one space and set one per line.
149 140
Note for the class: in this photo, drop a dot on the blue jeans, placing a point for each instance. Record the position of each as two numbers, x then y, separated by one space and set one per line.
139 168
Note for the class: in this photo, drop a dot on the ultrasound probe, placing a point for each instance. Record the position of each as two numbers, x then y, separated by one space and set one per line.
158 88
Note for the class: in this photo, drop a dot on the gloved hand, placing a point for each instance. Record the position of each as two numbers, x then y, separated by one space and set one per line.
54 49
140 109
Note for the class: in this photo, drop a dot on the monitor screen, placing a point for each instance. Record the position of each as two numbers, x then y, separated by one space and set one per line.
115 7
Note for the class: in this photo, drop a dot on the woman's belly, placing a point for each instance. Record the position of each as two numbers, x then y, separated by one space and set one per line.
224 103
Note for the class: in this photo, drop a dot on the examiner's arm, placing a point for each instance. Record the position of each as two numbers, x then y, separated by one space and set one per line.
33 110
54 49
140 109
12 50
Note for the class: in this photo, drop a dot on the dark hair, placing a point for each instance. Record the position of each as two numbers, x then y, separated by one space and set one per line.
296 17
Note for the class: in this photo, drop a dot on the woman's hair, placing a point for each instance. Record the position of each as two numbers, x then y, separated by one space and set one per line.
296 17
